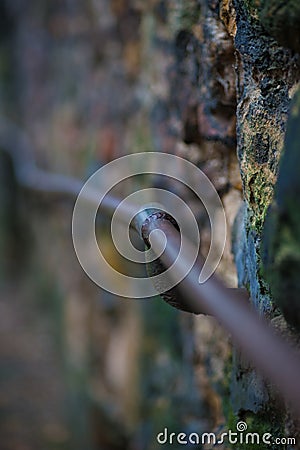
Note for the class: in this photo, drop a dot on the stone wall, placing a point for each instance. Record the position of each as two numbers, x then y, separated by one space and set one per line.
203 79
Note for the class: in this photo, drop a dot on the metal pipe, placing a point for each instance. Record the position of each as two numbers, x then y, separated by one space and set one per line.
269 353
28 175
275 358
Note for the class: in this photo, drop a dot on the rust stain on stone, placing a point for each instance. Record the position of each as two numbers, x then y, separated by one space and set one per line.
228 16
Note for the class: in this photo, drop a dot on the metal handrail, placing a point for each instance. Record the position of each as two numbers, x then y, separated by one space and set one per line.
275 358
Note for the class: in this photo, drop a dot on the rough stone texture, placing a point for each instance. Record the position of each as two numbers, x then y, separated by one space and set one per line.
267 76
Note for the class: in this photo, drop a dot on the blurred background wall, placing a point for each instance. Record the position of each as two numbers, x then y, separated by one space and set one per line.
89 81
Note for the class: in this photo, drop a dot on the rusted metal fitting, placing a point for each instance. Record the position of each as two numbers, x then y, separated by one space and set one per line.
152 219
144 222
141 217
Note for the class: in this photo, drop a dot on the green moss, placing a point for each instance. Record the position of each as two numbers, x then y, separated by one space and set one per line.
262 140
259 195
269 422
